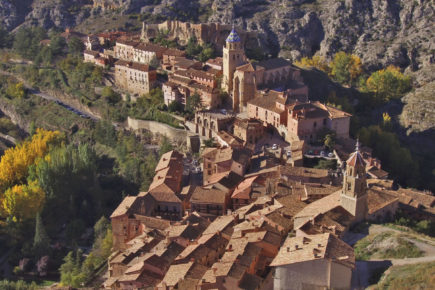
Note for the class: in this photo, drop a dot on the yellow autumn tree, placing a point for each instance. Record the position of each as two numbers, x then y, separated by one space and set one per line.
22 202
388 83
15 162
316 61
346 68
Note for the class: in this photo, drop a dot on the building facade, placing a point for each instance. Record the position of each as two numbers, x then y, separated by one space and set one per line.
134 77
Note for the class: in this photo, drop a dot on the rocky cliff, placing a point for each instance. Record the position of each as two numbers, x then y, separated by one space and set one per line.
382 32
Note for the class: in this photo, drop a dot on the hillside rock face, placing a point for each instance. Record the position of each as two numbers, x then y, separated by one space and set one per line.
398 32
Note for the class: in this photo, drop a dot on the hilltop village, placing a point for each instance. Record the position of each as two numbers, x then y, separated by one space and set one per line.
249 215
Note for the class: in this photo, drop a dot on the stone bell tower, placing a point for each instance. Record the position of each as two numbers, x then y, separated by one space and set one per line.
354 191
233 56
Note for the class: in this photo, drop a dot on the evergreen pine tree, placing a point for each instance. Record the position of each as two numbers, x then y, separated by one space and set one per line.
41 241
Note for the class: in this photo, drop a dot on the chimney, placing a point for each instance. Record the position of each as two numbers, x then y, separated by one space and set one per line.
288 249
297 247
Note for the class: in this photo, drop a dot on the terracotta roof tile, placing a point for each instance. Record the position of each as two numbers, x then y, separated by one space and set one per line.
175 274
134 65
313 247
317 207
243 190
209 196
124 207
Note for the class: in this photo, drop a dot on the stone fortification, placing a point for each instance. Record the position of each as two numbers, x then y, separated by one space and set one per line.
215 33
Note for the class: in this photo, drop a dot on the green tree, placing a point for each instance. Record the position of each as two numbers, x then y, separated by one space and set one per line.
346 68
193 102
110 95
100 227
148 171
70 270
206 53
16 90
175 106
192 47
5 38
396 160
329 141
209 143
75 46
41 241
57 44
27 40
165 146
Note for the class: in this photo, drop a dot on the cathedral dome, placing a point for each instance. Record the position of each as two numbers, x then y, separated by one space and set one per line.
233 37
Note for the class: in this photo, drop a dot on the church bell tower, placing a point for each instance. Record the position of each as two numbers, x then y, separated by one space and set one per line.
354 191
233 56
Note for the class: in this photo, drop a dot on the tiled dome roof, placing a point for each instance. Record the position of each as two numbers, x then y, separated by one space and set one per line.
233 37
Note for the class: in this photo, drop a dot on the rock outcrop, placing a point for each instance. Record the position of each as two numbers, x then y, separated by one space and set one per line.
398 32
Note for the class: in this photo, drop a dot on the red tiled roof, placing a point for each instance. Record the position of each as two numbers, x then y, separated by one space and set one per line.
314 247
243 190
124 206
134 65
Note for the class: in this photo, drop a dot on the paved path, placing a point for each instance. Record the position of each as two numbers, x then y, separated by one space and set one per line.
9 138
365 269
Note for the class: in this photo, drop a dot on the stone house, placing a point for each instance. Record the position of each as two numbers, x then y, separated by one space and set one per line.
249 130
147 52
209 202
305 120
96 58
124 49
243 194
215 63
312 262
134 77
183 83
169 58
223 160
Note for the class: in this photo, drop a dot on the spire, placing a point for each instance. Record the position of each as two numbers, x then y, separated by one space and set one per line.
355 158
233 37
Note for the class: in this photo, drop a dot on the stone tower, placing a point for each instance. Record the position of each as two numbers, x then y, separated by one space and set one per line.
354 192
233 56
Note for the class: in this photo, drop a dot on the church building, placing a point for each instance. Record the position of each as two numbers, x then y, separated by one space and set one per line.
242 78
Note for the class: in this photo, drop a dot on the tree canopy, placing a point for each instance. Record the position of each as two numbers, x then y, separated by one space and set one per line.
346 68
316 61
388 83
16 161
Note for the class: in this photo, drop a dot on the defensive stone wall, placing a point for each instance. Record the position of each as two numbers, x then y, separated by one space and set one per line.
158 128
204 32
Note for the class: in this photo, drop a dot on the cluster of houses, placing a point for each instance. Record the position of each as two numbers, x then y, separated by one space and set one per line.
246 227
258 219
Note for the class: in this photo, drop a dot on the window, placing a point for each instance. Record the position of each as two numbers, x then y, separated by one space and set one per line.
349 186
315 124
